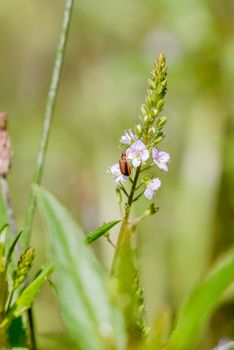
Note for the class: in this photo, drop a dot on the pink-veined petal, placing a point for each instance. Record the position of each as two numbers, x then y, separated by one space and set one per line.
164 157
155 153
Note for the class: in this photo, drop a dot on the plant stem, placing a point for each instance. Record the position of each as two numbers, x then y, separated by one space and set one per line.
124 191
134 185
49 112
32 328
10 300
123 229
8 205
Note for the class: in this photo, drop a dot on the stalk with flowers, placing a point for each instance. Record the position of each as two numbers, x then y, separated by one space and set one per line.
140 149
138 166
142 152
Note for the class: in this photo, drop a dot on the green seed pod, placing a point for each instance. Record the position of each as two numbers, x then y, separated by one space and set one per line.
161 122
23 267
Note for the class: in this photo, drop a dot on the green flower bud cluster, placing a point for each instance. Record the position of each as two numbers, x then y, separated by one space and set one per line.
154 103
23 267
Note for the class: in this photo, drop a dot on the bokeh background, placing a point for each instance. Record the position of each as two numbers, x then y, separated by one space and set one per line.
111 50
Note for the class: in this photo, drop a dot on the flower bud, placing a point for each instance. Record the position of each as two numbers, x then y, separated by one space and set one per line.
151 132
23 267
149 101
161 122
5 146
160 64
158 140
146 120
160 104
152 84
144 110
138 130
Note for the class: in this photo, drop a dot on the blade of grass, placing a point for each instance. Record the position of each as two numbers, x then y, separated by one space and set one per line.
200 304
49 113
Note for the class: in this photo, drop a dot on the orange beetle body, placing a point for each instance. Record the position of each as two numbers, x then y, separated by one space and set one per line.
124 166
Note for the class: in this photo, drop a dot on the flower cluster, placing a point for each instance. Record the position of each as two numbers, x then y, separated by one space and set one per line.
141 143
137 154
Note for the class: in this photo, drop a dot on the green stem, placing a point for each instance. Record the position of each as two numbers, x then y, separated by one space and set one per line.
125 223
123 189
10 300
139 196
134 185
32 327
49 112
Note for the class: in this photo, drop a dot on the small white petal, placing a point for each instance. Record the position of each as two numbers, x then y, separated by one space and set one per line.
164 157
145 155
156 183
149 193
136 162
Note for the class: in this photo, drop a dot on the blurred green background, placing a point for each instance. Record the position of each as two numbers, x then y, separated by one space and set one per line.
111 50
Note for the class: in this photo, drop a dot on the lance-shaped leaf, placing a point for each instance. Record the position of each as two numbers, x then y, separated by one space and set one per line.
2 229
17 335
11 249
90 316
94 235
200 304
3 214
26 298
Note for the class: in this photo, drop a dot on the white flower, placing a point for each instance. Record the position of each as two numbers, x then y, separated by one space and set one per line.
152 186
137 153
128 137
161 159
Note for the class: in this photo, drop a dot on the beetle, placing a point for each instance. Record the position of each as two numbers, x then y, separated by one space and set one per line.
124 165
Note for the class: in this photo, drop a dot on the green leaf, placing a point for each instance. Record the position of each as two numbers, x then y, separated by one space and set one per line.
11 249
17 338
27 296
90 316
3 291
200 304
2 229
3 214
125 271
94 235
